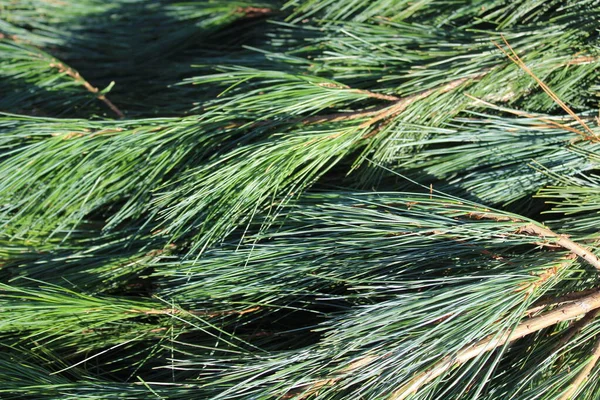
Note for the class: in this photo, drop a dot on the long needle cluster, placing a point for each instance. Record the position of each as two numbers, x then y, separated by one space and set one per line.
300 199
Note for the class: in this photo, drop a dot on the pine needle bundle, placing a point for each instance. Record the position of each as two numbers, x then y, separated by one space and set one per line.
303 199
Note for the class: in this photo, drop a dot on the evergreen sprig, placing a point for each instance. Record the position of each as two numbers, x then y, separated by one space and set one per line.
307 199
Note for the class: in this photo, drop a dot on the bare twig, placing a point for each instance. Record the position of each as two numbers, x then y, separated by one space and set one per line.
564 242
527 327
377 95
209 314
556 301
583 375
75 75
254 12
577 327
314 387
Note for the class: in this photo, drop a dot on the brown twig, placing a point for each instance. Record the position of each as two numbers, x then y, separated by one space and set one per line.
514 57
556 301
336 117
527 327
378 96
546 275
313 388
573 330
210 314
539 117
385 112
582 60
403 103
254 12
75 75
543 233
577 327
583 375
377 113
487 214
564 242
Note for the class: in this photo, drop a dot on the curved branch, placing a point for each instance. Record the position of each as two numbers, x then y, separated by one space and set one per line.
77 77
564 242
527 327
548 301
583 375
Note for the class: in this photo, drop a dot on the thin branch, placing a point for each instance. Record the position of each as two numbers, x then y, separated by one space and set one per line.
75 75
550 301
514 57
546 275
573 330
577 327
583 375
564 242
527 327
384 112
379 96
314 387
209 314
254 12
489 215
539 117
336 117
377 113
402 104
531 325
581 60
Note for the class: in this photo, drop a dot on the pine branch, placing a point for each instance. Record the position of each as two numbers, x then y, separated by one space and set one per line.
309 206
527 327
577 327
513 56
547 301
385 112
402 104
75 75
564 242
583 375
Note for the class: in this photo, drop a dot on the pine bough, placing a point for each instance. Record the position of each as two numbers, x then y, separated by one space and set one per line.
309 199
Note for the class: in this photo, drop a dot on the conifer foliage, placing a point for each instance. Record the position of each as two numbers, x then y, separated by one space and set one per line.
301 199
